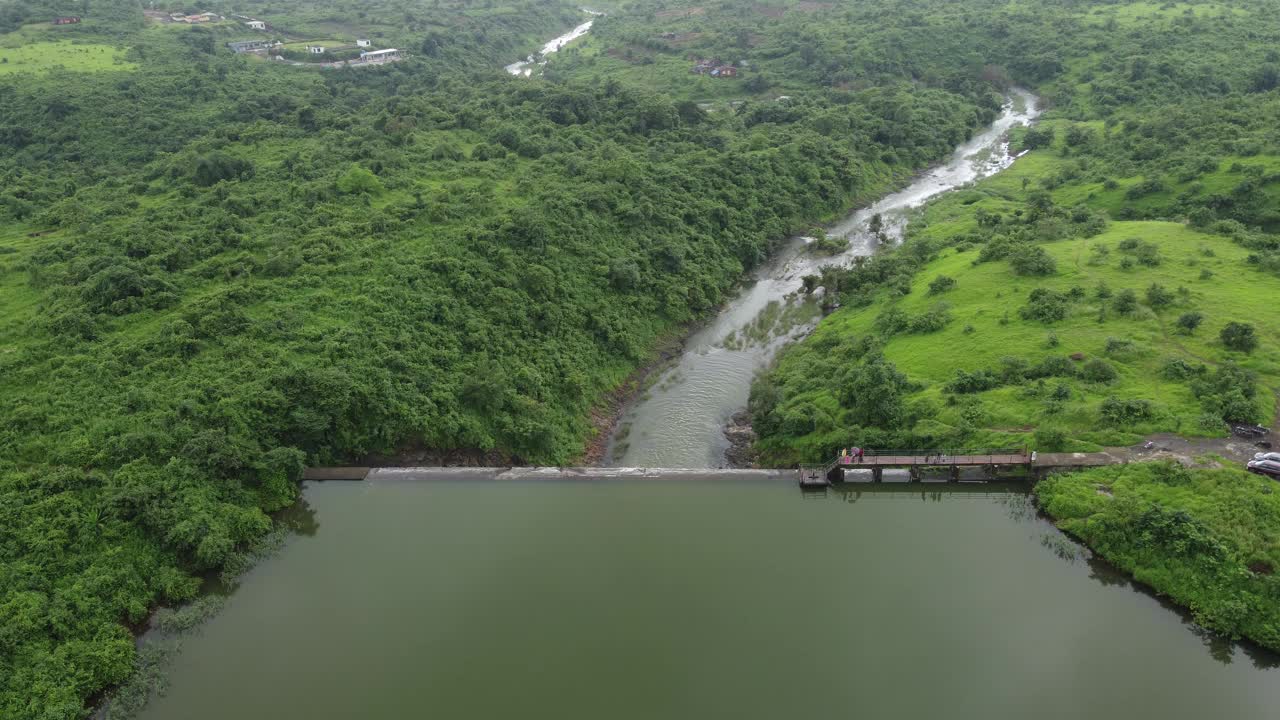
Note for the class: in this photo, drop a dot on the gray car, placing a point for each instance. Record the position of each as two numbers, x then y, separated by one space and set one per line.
1264 467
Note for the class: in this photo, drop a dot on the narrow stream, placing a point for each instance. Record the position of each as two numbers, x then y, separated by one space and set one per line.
678 422
526 67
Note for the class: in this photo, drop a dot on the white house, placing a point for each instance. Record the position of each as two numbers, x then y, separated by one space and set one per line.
363 43
378 56
256 25
315 49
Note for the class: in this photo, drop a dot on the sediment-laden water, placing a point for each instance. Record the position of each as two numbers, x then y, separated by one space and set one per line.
642 599
529 65
679 421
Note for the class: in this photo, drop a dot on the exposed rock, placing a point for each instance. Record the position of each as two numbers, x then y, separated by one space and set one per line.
741 453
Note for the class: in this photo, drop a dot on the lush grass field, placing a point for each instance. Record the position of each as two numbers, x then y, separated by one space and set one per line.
1208 538
986 327
64 54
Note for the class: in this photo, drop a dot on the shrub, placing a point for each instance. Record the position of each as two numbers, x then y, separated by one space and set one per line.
933 320
1126 302
1117 412
1239 336
1146 187
1119 346
1179 369
1032 260
972 382
1230 393
216 167
1188 322
1045 306
941 284
1013 369
1099 371
1158 297
359 181
1053 366
1148 255
1098 254
1050 439
891 321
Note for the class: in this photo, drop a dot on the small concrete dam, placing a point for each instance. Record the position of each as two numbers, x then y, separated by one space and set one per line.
892 466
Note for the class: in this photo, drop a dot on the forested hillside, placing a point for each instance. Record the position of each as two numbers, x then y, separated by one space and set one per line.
216 269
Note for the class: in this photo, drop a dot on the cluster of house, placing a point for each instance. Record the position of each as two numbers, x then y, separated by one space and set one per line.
66 20
194 19
714 68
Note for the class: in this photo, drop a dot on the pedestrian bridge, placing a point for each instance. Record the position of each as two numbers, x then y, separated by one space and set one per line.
942 465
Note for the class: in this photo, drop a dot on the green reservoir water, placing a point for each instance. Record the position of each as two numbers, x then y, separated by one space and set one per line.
643 599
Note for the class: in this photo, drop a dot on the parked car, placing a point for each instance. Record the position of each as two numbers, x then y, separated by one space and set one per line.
1270 468
1274 456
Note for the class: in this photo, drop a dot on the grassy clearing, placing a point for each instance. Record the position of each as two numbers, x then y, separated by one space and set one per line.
62 54
986 327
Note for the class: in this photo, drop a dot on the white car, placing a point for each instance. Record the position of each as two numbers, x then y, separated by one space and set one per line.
1273 456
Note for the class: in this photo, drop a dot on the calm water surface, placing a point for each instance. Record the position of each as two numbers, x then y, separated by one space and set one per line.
652 599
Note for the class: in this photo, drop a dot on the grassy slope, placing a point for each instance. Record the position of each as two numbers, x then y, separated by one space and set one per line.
1209 539
987 298
43 47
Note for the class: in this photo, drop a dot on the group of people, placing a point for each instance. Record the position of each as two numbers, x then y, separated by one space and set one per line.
851 455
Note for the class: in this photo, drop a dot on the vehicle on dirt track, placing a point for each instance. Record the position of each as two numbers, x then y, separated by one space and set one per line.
1270 468
1250 431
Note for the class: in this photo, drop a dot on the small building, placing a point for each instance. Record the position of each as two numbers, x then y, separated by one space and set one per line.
315 49
364 43
377 56
724 71
201 18
245 46
256 25
66 20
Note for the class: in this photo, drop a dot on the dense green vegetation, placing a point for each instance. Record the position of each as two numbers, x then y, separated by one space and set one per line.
1209 539
216 270
1116 281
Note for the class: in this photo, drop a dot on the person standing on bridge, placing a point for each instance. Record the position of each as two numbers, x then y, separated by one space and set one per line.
857 454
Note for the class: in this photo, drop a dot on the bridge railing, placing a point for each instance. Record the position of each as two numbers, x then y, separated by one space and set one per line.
944 452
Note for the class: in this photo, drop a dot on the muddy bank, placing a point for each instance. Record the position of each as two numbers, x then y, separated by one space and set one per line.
608 412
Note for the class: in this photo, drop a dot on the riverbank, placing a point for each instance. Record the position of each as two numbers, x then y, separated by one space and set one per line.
1209 539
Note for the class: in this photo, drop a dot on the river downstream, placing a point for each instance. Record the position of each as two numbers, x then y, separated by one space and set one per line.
678 422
